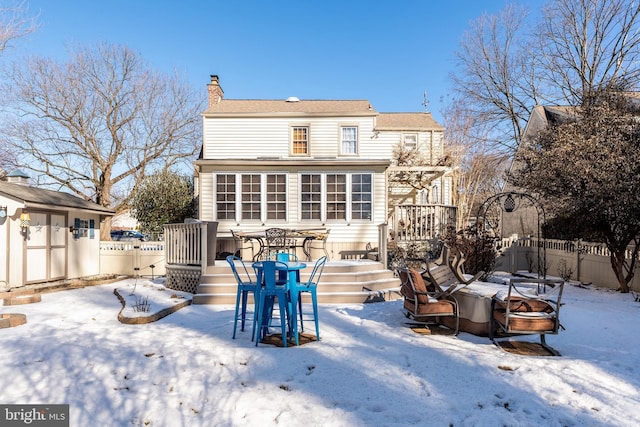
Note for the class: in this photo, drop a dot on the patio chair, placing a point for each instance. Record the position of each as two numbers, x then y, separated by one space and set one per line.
447 274
319 243
283 257
311 287
528 307
241 244
268 294
423 306
275 240
246 285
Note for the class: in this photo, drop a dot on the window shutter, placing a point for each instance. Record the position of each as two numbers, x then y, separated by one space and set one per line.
76 228
92 224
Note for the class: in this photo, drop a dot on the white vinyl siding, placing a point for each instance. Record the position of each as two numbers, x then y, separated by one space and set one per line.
229 138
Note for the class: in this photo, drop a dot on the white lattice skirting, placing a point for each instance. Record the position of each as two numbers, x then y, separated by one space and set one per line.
184 278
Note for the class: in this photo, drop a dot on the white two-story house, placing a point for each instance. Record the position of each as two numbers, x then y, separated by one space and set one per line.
310 164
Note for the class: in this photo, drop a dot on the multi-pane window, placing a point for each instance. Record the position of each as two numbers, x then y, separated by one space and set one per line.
311 196
300 140
226 196
333 197
349 140
361 196
410 141
83 228
277 196
256 198
336 196
251 196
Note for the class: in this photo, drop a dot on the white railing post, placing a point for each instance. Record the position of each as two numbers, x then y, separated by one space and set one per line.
382 243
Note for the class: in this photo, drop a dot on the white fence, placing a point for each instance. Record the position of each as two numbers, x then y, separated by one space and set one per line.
132 258
580 261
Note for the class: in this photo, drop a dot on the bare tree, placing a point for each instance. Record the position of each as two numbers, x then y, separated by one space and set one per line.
479 172
495 76
589 45
15 22
506 69
96 125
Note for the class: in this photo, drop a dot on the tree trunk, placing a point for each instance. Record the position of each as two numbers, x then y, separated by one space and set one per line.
617 259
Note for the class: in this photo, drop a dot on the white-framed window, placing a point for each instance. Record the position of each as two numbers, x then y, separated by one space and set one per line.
259 197
300 140
250 196
410 141
226 197
336 196
83 228
349 140
311 197
276 196
435 194
361 196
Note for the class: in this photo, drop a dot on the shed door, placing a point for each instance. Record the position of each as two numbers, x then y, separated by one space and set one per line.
46 252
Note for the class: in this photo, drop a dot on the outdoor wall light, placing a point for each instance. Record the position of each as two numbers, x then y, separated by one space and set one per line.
3 212
509 203
25 220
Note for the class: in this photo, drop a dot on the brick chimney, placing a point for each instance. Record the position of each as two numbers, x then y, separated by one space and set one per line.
215 91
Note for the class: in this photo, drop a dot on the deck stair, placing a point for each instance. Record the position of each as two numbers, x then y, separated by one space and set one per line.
342 282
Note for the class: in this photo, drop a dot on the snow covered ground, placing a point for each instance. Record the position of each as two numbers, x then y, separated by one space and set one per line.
370 369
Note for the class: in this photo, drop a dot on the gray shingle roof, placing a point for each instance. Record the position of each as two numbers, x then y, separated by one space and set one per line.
40 196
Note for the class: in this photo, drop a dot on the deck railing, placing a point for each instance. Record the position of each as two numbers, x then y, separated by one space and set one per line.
414 223
190 244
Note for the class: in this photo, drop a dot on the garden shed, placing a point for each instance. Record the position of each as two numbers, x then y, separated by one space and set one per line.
46 235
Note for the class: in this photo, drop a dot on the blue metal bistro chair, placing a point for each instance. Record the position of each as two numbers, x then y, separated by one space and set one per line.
311 287
246 285
266 272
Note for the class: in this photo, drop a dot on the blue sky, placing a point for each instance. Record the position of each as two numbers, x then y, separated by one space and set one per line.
389 53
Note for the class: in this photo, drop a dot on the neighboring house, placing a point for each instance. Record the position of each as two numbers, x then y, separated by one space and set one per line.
124 221
526 218
46 235
307 164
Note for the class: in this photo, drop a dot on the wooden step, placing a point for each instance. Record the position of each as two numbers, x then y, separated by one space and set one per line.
323 298
342 281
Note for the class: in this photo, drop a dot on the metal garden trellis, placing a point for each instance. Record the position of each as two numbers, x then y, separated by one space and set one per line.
509 202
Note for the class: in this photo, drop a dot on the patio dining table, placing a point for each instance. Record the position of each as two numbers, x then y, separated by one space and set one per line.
301 238
292 268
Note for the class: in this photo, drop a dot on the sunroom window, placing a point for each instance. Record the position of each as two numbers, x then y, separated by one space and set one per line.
336 197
